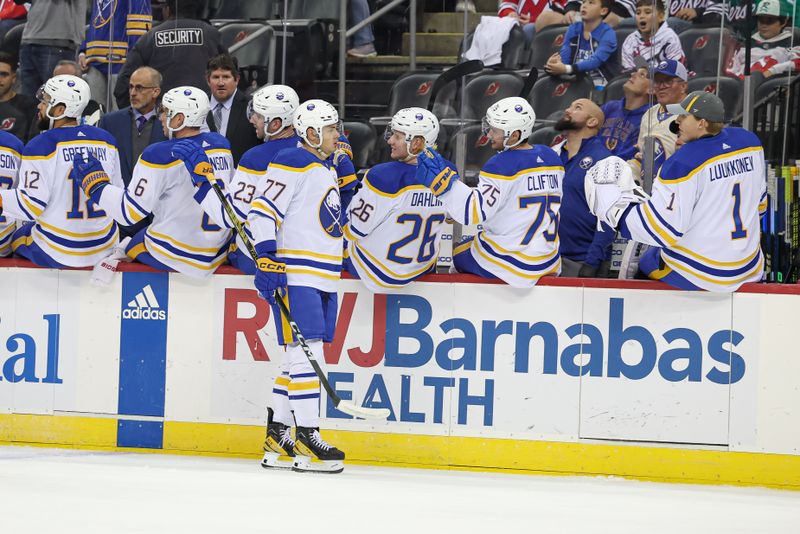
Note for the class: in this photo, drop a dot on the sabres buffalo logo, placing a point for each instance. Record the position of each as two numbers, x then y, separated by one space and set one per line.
700 42
561 89
586 162
329 212
105 12
424 88
492 89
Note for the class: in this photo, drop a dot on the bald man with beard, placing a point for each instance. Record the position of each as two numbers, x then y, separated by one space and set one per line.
585 251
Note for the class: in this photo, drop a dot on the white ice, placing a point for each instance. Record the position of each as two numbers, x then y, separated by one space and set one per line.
65 491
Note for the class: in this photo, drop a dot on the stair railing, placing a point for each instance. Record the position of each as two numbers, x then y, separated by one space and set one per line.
343 35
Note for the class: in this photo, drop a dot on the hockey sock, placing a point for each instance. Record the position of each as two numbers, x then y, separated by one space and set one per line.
304 384
282 411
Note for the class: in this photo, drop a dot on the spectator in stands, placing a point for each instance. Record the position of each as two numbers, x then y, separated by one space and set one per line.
589 46
772 51
556 13
526 12
137 126
653 39
114 28
682 13
11 14
363 41
622 117
16 110
54 31
228 114
585 250
177 48
669 87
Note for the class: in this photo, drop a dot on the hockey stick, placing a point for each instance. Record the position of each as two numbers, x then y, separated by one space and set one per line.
343 405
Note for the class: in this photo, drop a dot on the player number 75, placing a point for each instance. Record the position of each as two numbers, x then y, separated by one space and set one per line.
549 204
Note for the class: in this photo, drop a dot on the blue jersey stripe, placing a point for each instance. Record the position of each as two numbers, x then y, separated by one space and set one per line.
510 260
722 273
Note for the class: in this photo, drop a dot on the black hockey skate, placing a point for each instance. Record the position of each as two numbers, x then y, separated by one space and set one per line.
278 445
313 454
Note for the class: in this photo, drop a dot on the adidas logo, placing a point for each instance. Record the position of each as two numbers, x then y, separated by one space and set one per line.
206 144
539 159
81 134
725 146
144 306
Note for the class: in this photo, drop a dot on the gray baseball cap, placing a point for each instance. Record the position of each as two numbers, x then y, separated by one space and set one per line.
702 105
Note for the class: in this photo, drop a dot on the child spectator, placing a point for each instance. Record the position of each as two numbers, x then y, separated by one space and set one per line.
653 39
771 52
589 46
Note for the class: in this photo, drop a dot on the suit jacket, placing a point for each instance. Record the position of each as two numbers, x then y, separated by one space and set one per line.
240 132
119 124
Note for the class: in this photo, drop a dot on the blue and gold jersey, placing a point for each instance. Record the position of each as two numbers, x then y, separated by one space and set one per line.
394 227
181 236
517 201
69 228
704 211
300 211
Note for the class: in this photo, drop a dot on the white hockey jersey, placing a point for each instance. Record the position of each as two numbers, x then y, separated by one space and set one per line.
664 45
394 227
181 235
517 200
10 151
301 211
704 211
68 227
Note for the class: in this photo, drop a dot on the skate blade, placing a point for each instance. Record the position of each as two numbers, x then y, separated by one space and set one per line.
304 464
273 460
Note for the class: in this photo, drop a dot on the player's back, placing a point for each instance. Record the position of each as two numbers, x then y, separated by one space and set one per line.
11 149
69 228
181 235
723 184
394 229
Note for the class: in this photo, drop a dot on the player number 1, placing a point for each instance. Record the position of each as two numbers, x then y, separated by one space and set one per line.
738 229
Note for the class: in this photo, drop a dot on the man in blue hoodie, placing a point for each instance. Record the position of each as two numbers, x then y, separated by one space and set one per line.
620 130
589 46
585 250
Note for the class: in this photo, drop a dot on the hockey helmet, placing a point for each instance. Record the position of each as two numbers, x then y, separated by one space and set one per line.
414 122
315 114
274 102
188 101
70 91
510 115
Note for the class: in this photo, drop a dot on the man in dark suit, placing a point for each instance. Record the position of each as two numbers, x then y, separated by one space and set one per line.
136 126
228 114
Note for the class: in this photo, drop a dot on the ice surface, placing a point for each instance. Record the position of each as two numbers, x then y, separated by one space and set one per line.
65 491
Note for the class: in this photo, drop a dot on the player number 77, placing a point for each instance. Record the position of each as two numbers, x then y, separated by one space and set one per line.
342 405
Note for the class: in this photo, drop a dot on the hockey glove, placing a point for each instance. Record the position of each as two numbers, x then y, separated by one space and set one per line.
196 161
271 273
93 178
343 145
433 172
610 189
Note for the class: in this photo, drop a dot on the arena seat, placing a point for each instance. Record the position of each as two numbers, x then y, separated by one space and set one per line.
552 93
362 138
314 9
513 55
770 85
730 91
256 58
12 39
701 46
488 87
613 90
622 32
545 44
543 136
478 152
244 9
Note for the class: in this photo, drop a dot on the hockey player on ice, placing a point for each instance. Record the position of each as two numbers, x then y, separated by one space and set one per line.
67 229
702 220
181 236
296 226
517 200
395 223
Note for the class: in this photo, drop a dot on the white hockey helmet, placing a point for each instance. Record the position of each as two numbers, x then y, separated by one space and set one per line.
414 122
274 102
70 91
188 101
510 115
315 114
